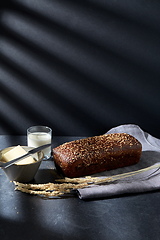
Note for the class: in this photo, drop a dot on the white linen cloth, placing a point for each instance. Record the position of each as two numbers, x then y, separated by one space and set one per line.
143 182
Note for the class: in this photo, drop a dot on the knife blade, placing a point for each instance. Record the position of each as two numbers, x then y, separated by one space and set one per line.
29 153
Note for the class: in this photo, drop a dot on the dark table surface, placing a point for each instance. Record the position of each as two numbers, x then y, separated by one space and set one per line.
28 217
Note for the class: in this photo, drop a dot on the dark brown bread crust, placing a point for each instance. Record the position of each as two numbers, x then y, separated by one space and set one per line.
96 154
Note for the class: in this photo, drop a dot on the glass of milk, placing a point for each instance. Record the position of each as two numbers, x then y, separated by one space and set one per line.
38 136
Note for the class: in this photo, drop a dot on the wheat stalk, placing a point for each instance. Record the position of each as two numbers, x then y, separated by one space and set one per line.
66 185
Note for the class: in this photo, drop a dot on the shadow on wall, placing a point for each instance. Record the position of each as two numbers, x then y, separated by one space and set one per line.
80 67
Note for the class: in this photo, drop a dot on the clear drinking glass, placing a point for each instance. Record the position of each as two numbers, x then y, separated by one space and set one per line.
38 136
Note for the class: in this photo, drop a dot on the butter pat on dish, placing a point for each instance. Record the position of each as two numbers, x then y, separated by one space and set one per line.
16 152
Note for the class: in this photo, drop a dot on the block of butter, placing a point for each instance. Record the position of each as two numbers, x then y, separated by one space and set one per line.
17 152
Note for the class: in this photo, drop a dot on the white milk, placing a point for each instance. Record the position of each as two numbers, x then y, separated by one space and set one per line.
37 139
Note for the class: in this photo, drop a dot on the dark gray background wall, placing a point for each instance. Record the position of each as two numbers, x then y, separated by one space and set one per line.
80 67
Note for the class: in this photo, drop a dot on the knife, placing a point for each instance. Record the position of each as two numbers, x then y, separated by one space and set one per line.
29 153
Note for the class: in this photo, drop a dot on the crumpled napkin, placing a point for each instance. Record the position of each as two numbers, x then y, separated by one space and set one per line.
142 182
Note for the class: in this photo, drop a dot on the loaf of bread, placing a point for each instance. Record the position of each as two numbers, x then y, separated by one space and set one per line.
96 154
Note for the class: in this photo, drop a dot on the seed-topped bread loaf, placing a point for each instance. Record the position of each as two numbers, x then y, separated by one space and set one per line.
96 154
